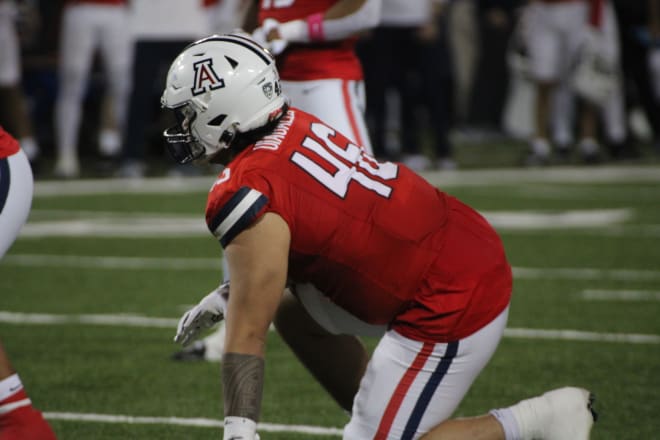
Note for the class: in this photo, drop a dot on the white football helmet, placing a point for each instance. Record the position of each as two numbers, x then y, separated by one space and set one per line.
219 86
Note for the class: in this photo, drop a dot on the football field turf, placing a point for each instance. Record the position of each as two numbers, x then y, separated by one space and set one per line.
93 288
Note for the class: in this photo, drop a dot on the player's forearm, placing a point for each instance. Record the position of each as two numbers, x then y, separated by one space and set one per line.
242 380
344 19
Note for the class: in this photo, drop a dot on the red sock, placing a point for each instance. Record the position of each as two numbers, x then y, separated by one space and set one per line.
19 420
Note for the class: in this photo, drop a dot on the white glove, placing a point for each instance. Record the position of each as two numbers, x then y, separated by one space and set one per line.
209 311
260 35
596 73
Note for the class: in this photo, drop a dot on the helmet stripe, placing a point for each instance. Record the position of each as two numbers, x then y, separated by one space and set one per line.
241 41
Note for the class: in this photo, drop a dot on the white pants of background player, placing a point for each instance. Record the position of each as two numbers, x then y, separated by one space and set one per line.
409 386
556 31
16 188
9 51
10 68
87 28
337 102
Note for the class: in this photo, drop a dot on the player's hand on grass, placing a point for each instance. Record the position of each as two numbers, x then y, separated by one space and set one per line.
209 311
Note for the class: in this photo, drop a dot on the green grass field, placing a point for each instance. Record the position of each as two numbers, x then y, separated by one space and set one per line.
92 289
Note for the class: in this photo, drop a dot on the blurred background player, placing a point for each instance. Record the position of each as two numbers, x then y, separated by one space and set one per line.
160 29
19 420
564 36
639 29
14 112
89 26
314 45
409 82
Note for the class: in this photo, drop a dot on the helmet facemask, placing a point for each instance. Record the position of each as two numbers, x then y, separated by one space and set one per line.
181 144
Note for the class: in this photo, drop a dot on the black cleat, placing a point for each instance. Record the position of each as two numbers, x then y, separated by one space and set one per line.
194 352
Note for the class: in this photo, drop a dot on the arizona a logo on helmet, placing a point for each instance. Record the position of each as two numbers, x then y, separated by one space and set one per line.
205 77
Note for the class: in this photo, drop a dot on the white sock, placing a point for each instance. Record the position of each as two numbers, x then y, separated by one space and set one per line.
109 142
215 344
10 386
526 414
508 421
541 147
589 146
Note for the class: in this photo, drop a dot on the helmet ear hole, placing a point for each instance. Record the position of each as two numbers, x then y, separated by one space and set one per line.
227 137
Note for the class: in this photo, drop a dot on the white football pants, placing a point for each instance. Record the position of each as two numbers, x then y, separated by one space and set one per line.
16 188
337 102
87 28
410 386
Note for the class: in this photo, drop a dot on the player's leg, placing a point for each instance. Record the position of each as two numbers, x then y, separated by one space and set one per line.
544 43
338 362
410 387
76 52
16 188
116 51
339 103
18 419
14 115
560 414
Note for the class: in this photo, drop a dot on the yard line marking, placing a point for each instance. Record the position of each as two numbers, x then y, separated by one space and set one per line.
619 295
126 320
585 273
527 220
144 321
116 226
106 224
183 421
51 188
202 263
90 262
577 335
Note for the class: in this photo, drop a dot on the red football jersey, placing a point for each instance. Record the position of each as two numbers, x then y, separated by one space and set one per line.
303 62
8 145
376 238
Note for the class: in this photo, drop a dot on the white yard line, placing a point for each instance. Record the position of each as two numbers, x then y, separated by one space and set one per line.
122 320
105 224
585 273
123 263
126 320
200 263
182 421
620 295
50 188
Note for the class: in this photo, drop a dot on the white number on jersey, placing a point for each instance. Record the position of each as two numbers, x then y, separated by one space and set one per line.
350 164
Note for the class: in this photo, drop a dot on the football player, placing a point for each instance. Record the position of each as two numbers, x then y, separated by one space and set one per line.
19 420
314 44
370 245
573 47
14 112
88 26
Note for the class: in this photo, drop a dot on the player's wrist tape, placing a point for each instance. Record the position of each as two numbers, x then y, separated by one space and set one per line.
239 427
10 386
315 27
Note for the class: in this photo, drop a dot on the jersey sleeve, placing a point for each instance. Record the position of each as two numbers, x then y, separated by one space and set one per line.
230 211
